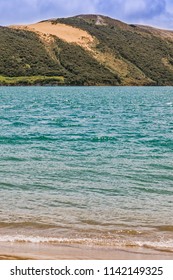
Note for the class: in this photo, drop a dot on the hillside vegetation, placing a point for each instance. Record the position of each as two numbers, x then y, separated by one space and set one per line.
116 54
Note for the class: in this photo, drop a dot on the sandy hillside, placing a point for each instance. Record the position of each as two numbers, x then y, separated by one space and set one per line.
84 39
65 32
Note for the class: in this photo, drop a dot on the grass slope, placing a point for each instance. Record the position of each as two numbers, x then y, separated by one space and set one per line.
23 54
31 80
134 44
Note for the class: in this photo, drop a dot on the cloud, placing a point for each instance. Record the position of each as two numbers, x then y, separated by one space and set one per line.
155 12
12 11
67 7
145 8
133 9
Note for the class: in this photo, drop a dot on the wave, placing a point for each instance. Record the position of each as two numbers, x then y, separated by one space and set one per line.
11 158
164 246
168 228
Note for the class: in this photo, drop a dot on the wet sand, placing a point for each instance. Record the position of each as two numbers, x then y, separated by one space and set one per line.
25 251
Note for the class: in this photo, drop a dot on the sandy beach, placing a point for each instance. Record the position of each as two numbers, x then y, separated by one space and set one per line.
25 251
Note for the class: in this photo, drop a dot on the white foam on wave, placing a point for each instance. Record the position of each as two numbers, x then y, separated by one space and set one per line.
39 239
32 239
157 245
169 103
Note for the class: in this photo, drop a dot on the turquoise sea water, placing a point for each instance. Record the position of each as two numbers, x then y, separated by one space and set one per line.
87 165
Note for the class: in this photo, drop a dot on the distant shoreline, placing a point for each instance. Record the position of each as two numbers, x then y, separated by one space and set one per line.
78 85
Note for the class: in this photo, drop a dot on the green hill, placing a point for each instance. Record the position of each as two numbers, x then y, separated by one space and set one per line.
121 54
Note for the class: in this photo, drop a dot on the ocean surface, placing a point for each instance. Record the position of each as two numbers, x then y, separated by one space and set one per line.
87 165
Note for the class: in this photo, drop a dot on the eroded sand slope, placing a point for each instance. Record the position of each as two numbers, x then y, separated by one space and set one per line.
65 32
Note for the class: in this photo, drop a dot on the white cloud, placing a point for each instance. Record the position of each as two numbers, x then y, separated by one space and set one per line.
134 7
153 12
13 11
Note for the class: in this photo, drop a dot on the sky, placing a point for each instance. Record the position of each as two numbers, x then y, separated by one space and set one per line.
158 13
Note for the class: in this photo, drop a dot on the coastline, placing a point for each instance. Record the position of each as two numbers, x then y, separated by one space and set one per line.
28 251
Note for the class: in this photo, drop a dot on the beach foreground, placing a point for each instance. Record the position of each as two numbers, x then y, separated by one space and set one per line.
76 252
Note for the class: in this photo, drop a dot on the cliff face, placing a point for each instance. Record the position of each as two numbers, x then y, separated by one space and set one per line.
86 50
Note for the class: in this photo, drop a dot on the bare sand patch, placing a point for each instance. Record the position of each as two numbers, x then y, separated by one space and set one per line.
63 31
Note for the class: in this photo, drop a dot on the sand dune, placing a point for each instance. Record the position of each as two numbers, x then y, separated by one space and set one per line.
65 32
